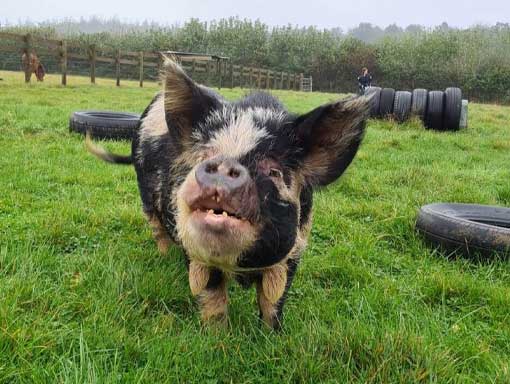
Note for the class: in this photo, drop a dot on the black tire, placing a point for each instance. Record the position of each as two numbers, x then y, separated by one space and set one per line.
467 229
419 103
104 124
452 109
375 94
402 105
386 102
435 107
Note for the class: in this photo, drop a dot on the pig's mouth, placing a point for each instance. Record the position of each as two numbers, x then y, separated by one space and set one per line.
216 215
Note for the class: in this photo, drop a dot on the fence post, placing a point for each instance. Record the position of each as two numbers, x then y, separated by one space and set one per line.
297 84
117 67
141 68
27 48
220 70
288 81
207 77
231 75
259 78
193 68
281 80
159 67
92 57
63 53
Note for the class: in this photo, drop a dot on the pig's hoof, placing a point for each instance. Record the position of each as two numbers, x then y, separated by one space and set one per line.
163 245
274 324
215 321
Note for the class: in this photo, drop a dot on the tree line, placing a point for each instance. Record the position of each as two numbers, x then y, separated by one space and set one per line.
477 59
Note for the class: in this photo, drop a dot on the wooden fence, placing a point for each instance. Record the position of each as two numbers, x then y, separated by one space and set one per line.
210 68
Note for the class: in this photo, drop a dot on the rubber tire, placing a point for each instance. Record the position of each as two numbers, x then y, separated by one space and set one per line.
435 108
464 115
105 124
466 229
374 101
419 103
386 102
402 105
452 109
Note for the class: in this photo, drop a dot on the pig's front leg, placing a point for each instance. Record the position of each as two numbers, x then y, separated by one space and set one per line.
272 291
209 285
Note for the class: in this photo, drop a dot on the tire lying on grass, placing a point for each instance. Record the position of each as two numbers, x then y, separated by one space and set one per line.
468 229
452 109
386 102
402 105
375 94
419 103
435 108
105 124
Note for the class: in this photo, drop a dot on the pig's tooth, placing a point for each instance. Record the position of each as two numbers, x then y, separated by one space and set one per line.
210 211
225 213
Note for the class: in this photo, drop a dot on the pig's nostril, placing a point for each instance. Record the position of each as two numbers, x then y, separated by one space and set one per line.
211 168
234 173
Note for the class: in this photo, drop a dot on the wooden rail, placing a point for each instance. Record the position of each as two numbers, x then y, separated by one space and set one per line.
224 72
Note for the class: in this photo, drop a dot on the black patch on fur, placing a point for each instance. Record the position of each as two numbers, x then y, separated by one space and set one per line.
275 240
306 201
152 170
215 278
143 167
261 100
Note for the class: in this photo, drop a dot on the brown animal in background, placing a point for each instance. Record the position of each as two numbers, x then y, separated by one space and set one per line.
31 64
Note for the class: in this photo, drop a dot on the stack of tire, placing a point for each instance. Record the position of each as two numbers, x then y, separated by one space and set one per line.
437 109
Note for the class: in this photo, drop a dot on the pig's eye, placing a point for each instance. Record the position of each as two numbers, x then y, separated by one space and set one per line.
274 172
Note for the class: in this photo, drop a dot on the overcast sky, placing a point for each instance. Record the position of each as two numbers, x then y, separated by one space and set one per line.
321 13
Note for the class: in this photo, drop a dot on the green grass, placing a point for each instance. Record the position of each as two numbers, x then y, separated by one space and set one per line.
85 297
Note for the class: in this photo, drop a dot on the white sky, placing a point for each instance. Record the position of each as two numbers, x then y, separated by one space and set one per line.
321 13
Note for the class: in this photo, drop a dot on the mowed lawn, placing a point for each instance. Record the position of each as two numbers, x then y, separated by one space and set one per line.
86 298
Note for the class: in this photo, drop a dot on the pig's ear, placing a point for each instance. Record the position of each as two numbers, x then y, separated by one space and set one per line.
329 137
186 102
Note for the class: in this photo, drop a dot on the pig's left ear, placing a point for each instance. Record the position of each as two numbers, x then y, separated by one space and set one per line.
329 137
186 102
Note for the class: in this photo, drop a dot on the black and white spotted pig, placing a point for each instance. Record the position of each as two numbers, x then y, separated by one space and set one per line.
232 182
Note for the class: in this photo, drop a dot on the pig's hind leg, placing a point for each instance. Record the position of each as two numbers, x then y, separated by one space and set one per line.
163 241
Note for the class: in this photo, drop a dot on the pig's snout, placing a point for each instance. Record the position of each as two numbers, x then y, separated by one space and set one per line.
222 175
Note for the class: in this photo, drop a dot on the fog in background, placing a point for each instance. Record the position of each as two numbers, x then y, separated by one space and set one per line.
321 13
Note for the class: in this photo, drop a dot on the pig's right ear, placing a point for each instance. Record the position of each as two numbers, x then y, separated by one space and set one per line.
186 102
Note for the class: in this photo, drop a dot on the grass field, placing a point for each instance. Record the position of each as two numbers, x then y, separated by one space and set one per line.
85 297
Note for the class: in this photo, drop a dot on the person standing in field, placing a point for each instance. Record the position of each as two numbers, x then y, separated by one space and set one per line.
364 81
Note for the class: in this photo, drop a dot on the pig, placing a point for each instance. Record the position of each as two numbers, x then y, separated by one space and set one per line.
232 184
